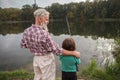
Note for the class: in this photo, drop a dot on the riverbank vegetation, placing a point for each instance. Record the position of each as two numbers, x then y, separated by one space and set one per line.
16 75
111 71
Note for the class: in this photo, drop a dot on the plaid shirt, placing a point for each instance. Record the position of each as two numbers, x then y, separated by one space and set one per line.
39 41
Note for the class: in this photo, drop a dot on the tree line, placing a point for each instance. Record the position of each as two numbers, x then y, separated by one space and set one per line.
98 9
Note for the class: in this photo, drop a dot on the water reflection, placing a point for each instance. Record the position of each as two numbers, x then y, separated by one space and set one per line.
99 29
93 41
14 28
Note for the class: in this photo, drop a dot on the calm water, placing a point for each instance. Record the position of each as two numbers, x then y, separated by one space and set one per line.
93 40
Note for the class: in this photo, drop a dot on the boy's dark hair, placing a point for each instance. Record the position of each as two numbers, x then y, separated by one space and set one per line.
69 44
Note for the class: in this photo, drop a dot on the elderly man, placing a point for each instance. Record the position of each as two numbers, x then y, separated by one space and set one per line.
38 40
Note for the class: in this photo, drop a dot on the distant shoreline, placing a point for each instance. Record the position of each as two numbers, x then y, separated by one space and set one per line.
106 19
99 19
14 21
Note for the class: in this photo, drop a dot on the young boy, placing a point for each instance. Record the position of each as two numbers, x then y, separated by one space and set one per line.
68 63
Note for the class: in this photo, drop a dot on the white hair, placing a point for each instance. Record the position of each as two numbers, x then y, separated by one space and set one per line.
41 12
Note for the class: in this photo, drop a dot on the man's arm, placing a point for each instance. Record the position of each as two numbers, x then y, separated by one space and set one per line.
74 53
53 47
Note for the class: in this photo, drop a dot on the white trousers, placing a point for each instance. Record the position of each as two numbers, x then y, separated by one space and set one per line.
44 67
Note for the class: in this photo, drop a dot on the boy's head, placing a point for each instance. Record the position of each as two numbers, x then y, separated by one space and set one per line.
69 44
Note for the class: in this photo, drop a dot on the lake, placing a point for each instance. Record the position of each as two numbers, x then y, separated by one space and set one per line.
94 40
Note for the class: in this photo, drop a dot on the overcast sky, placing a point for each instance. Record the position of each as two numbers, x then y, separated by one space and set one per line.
40 3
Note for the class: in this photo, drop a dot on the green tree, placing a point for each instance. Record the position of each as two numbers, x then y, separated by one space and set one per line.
103 12
57 11
9 14
27 12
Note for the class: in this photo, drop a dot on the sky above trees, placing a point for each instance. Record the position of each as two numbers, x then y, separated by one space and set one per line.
40 3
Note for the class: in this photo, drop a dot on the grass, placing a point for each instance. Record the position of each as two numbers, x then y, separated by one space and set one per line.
91 72
18 75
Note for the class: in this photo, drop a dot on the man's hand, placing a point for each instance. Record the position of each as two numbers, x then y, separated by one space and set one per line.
76 54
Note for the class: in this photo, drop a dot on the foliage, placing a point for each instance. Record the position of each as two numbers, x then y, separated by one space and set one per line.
110 72
18 75
27 12
93 72
114 69
14 75
10 14
98 9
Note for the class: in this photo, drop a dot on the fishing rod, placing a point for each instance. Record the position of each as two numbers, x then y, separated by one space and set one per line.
68 25
35 2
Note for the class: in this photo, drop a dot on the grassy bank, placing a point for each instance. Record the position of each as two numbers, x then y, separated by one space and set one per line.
91 72
18 75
